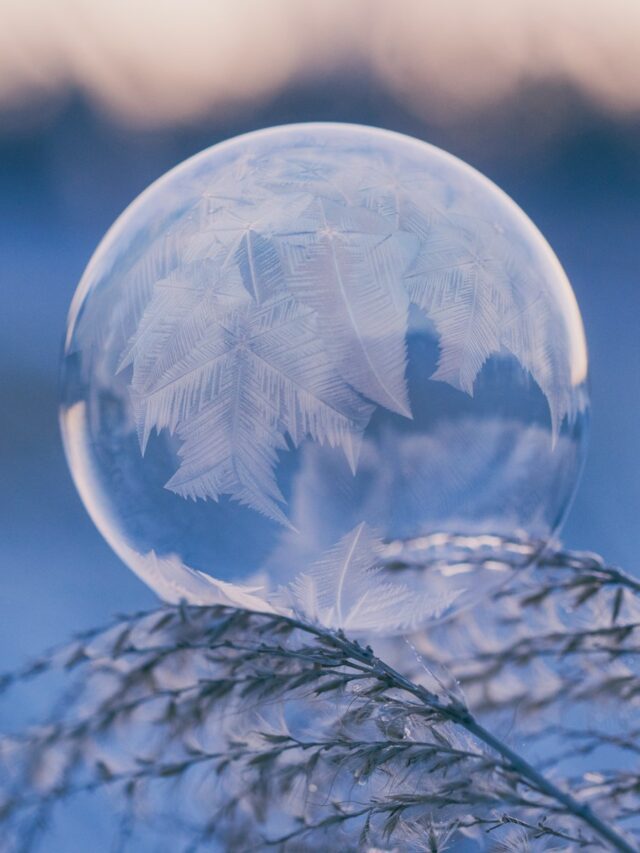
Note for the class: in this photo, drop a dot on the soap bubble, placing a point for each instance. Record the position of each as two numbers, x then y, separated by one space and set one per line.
311 359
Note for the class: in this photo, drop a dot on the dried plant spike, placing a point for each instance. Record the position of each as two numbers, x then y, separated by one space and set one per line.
264 731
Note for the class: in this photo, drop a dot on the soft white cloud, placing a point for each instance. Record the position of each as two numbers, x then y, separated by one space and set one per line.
157 61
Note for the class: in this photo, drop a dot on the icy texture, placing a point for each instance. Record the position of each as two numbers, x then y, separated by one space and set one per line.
329 287
343 589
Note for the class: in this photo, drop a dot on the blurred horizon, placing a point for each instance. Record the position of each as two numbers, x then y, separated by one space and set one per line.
152 64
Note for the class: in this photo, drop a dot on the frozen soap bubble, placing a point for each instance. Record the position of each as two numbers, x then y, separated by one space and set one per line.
313 356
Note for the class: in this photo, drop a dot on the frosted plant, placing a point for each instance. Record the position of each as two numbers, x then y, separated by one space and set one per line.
213 728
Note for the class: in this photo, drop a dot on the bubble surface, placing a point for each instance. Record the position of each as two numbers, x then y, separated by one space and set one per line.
309 356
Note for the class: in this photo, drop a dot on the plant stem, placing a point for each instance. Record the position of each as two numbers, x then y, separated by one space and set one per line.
528 772
460 715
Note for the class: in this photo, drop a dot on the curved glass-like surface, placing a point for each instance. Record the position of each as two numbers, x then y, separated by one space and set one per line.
318 349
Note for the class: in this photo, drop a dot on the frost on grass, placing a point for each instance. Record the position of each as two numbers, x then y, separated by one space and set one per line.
210 728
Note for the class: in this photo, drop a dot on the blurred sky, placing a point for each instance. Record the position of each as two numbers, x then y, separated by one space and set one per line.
99 98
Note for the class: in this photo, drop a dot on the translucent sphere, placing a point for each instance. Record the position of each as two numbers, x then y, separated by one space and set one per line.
316 354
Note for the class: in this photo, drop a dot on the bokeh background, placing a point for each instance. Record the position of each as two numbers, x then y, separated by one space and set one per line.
100 97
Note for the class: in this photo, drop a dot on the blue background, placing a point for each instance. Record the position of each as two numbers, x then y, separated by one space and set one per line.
63 181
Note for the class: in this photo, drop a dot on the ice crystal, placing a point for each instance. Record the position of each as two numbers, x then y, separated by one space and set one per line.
346 589
285 315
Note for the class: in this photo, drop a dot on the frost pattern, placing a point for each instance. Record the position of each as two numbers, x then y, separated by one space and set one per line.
347 588
344 589
276 309
232 386
347 264
460 281
174 582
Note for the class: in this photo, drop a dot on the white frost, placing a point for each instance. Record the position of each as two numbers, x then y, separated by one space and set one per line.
347 588
278 311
